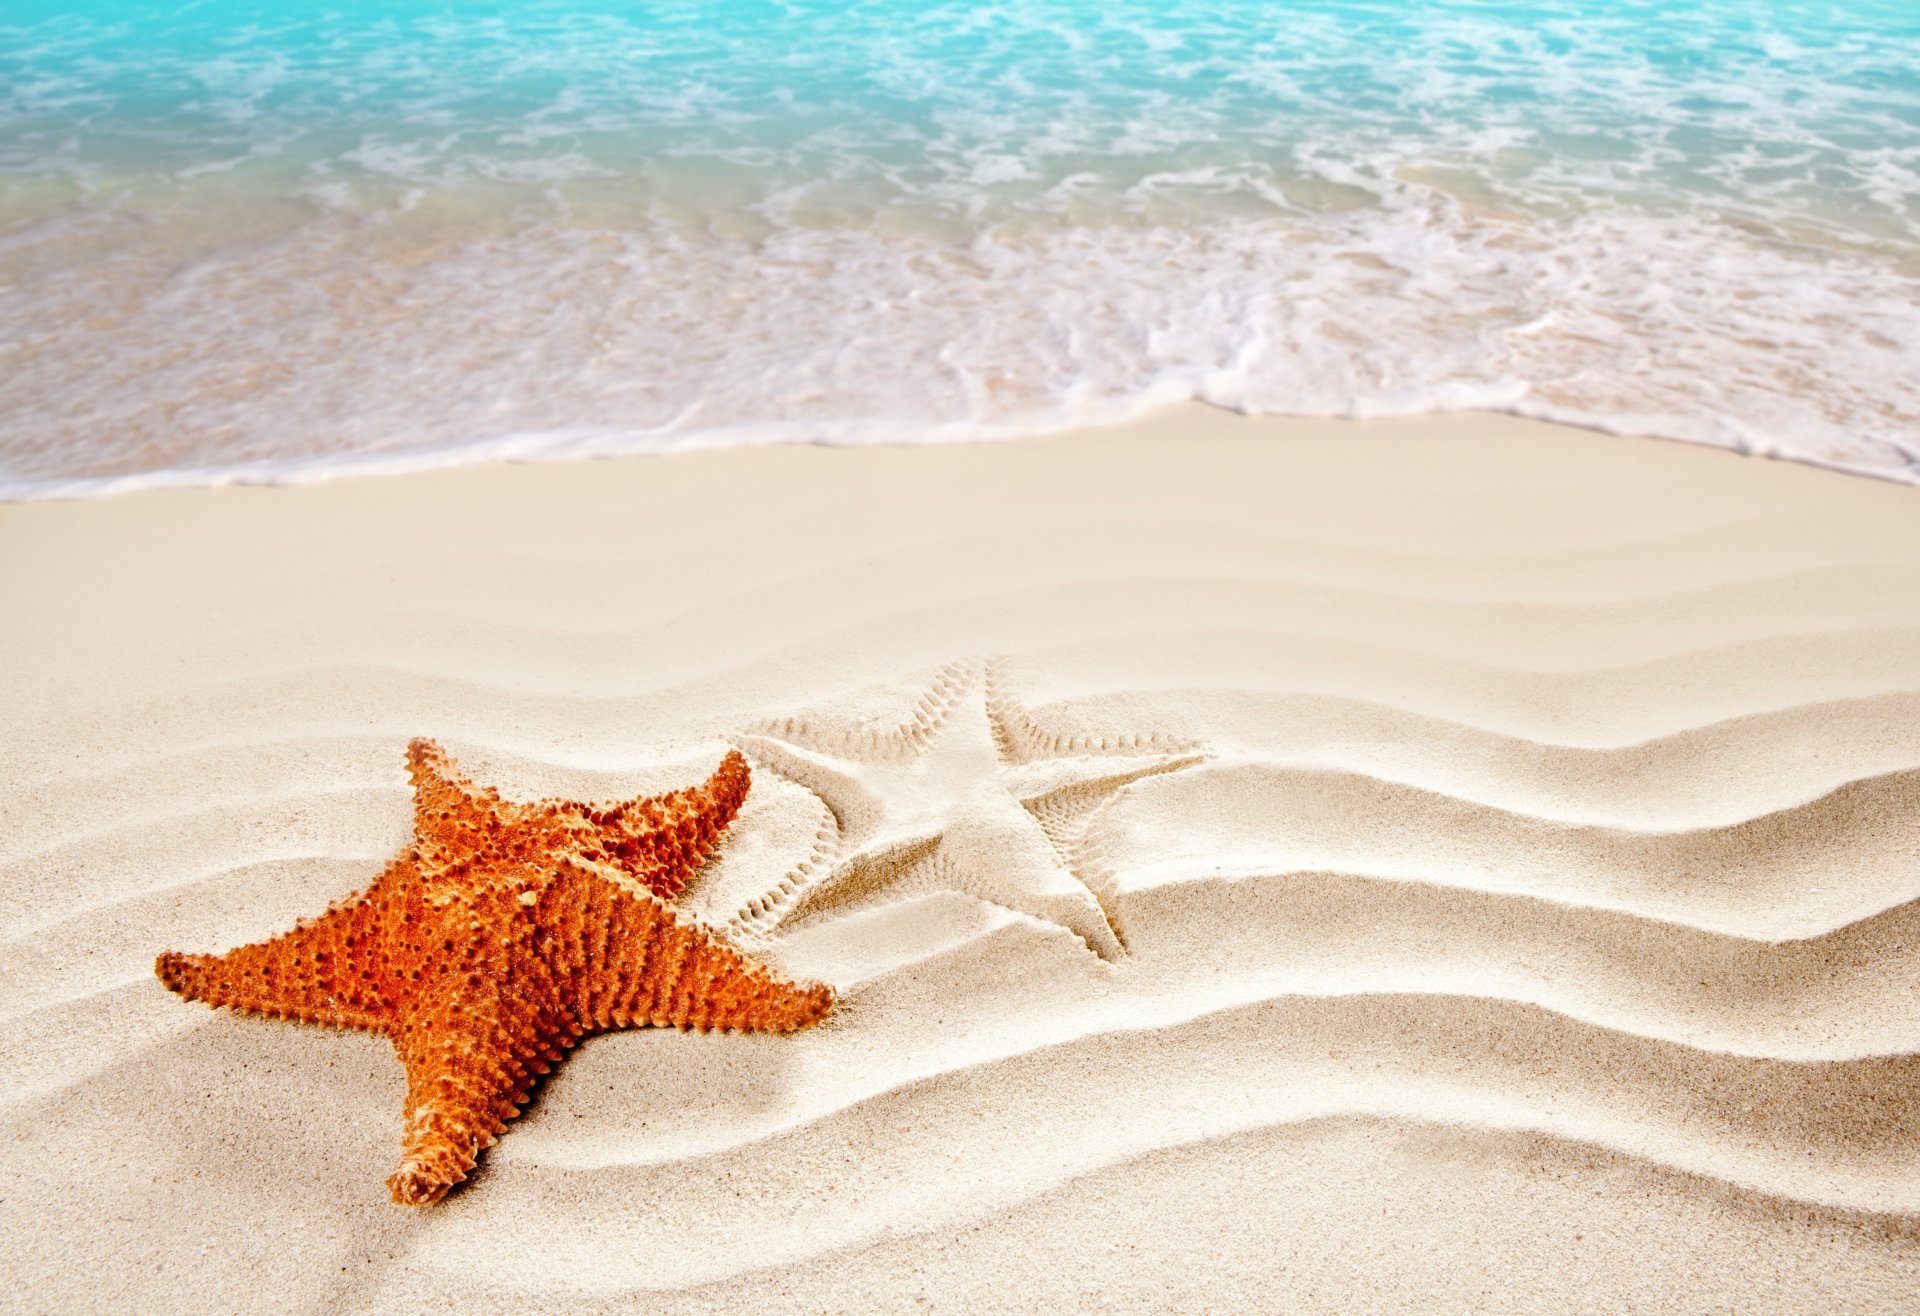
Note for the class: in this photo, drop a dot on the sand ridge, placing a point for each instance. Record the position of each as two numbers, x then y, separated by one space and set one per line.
1507 835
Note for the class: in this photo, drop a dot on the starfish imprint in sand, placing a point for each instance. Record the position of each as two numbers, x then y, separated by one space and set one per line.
504 934
968 795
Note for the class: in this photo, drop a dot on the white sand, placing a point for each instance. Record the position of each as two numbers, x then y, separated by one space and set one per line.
1504 842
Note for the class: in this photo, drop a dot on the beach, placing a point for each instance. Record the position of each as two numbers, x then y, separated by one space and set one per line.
1479 870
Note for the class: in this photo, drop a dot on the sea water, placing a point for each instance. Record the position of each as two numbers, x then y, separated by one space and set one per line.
277 240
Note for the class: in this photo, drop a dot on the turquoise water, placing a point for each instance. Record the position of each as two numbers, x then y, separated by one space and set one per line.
278 241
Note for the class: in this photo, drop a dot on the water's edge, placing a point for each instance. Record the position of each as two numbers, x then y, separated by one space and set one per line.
589 445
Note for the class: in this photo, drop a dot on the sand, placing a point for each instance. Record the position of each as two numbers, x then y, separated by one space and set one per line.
1453 864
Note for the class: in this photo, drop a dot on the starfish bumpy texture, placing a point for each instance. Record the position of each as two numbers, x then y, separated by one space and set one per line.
499 938
967 795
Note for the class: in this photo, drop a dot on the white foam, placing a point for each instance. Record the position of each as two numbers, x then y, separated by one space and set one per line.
329 354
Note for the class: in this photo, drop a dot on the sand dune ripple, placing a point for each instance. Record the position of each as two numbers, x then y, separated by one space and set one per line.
1533 922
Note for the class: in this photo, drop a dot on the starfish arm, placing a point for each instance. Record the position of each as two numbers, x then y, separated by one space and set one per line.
848 798
440 788
631 960
665 838
1010 862
1072 907
867 874
473 1045
1088 780
321 972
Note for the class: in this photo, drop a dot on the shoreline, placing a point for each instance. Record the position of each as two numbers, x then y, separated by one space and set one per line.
601 445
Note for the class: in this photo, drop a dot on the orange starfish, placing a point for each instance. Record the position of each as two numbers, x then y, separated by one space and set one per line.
498 939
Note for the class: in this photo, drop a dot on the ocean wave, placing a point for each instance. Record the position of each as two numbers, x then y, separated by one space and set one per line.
238 246
348 345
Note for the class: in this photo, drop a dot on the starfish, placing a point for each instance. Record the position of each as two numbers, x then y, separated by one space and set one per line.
969 795
504 934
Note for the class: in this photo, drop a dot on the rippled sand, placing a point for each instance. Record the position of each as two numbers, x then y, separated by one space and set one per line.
1446 865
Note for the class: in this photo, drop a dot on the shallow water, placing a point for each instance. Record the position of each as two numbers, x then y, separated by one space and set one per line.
249 241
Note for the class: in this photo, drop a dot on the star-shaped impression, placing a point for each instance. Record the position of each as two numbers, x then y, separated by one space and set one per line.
967 795
499 938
